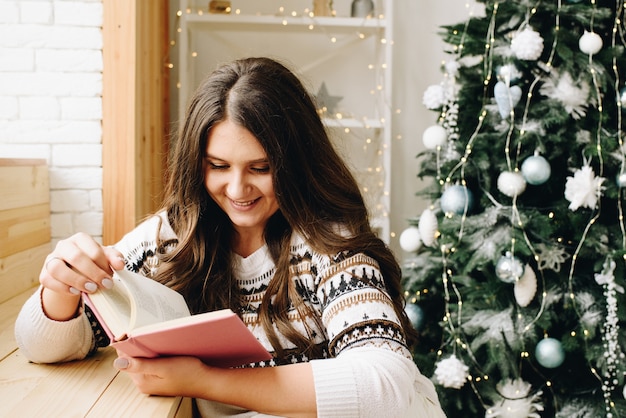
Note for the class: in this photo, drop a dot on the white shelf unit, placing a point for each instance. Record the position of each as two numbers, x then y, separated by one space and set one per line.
352 56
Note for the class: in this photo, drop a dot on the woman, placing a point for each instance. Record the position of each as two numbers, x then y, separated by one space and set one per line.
262 216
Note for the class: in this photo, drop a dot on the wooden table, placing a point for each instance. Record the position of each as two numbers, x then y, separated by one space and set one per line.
86 388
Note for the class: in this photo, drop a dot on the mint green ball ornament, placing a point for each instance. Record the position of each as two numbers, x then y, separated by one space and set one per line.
536 170
549 353
457 199
415 314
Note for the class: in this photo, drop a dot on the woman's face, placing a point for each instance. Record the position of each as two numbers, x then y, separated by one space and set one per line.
238 178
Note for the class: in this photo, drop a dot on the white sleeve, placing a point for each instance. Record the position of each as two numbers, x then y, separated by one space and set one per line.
43 340
370 382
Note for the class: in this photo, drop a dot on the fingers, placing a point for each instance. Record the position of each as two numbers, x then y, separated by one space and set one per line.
169 376
121 363
143 374
80 264
53 268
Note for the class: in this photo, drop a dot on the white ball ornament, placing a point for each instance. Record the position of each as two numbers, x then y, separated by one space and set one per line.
410 240
509 73
511 183
428 226
536 170
590 43
550 353
620 179
457 199
434 136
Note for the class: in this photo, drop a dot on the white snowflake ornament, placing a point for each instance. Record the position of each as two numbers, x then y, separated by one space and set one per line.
516 401
451 372
572 94
527 45
584 188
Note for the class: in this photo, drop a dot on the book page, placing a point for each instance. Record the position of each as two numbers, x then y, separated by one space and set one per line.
151 302
111 307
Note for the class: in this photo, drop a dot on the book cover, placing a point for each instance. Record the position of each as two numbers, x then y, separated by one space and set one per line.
218 338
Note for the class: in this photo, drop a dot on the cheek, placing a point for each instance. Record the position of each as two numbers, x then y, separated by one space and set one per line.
211 183
268 187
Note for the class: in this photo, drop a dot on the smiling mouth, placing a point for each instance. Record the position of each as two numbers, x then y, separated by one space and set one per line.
244 203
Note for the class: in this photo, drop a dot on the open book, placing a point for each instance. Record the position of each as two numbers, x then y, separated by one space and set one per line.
144 318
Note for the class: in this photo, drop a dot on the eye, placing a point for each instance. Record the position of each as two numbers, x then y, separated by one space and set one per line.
264 169
216 166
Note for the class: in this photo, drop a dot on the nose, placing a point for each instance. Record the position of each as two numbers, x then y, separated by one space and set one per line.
237 187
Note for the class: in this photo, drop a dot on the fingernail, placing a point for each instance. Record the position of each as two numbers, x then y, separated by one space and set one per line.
74 291
107 283
91 287
121 363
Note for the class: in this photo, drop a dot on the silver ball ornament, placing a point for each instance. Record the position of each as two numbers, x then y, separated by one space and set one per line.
509 268
457 199
550 353
536 170
622 98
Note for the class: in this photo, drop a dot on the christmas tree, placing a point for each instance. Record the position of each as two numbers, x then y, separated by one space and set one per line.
515 279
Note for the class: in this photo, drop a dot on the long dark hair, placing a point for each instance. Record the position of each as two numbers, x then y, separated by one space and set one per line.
314 188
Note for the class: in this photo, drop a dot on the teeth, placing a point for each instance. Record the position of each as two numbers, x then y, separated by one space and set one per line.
248 203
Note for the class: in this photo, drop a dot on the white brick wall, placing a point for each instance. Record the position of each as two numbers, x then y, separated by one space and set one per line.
50 102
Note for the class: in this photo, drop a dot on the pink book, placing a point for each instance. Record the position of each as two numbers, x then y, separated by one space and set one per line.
144 318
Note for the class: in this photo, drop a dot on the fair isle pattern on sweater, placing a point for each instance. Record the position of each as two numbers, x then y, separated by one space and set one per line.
346 290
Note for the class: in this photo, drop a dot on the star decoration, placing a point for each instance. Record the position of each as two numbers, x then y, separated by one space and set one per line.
325 103
551 257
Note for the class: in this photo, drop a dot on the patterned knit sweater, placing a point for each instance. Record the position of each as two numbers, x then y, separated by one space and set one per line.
365 369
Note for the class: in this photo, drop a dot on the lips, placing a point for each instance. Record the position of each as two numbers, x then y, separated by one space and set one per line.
243 204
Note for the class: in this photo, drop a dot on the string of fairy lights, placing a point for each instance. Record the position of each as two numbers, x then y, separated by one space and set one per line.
359 131
518 129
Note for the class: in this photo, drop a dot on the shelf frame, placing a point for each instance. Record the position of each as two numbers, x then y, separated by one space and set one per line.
380 26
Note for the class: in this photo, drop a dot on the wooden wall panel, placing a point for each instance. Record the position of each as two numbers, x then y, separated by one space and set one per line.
135 111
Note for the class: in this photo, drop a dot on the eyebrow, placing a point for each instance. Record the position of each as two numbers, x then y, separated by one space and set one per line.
259 161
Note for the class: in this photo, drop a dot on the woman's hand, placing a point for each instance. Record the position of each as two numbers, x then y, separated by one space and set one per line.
282 391
77 264
165 376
